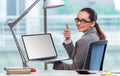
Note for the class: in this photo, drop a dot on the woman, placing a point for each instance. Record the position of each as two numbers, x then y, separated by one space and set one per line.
86 23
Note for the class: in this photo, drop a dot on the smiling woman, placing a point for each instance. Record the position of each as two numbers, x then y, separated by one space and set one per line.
86 23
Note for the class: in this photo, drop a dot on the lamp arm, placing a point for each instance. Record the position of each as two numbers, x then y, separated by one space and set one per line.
12 24
23 14
21 52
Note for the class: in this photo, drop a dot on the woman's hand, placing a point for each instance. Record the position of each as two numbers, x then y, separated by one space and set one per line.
67 33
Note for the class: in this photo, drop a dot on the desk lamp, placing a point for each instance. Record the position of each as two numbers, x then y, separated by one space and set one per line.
47 4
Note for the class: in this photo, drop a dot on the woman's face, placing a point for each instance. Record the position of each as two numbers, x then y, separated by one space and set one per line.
83 22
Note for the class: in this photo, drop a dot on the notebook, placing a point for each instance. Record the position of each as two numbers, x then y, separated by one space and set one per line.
41 47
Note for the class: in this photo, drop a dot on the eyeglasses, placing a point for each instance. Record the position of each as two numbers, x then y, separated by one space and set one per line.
82 21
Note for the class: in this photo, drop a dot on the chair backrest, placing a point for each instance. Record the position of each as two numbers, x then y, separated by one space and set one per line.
95 55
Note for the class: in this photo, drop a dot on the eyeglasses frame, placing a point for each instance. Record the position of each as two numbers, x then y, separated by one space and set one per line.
82 21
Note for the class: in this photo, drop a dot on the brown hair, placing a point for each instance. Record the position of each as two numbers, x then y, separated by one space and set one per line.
93 17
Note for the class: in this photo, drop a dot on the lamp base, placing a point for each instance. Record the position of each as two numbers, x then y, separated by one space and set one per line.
19 70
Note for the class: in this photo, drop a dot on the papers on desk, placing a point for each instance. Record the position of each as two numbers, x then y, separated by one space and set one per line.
110 73
17 70
101 73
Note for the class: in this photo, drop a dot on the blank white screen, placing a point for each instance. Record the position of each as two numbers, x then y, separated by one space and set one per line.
39 46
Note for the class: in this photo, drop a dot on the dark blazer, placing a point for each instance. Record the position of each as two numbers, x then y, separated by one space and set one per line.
77 52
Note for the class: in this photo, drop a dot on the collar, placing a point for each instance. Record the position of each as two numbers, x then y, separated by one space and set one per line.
92 30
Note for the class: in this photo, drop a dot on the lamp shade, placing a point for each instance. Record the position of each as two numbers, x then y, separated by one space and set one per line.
52 3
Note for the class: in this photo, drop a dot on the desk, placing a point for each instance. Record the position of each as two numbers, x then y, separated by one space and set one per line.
51 73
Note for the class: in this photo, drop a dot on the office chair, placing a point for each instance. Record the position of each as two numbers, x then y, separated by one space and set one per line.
95 55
